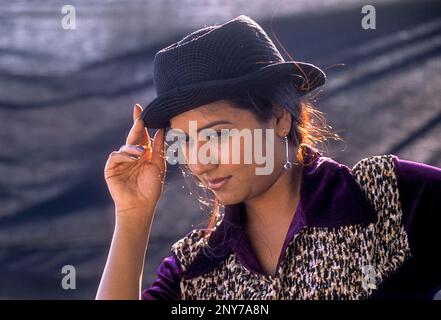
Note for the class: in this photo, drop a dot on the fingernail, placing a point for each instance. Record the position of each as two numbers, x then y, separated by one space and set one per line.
140 148
133 157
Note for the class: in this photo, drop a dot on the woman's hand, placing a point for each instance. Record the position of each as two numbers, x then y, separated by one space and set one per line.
135 173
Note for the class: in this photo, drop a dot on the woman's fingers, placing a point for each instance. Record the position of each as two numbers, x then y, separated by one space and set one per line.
128 153
137 109
132 149
140 151
158 156
138 133
118 157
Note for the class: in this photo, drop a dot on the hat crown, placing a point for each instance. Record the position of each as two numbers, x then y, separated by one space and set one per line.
227 51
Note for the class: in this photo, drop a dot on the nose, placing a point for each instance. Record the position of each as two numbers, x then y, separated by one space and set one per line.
199 169
199 166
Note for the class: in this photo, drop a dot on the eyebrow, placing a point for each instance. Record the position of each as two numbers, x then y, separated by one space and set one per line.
212 124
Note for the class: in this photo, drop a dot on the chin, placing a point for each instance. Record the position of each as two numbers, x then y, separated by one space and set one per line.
228 198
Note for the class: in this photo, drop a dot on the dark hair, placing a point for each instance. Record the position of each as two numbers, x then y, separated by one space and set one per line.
308 128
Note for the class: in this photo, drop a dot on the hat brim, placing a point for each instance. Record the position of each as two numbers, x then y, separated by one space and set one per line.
157 114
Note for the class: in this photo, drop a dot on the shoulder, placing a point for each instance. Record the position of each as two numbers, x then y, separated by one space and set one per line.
414 186
202 250
417 184
166 286
405 171
351 195
374 167
417 173
420 188
376 176
171 270
187 248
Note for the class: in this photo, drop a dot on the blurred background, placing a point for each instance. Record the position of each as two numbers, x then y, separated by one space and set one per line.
66 101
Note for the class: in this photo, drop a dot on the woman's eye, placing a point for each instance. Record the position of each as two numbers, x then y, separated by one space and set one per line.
219 135
186 141
214 137
215 134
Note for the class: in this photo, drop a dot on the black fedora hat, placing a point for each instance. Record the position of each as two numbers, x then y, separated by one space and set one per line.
214 62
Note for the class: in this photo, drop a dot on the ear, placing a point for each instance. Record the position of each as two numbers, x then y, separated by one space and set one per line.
283 121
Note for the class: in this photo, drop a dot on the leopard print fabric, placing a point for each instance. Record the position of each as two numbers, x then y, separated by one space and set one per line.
345 262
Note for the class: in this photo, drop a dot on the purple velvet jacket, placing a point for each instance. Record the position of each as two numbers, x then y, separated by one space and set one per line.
328 197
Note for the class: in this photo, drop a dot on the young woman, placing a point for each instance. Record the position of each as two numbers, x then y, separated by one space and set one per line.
309 228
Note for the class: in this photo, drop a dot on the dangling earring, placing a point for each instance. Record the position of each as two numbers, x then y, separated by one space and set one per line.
287 164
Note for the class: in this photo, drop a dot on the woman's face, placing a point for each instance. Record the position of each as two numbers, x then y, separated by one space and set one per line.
229 155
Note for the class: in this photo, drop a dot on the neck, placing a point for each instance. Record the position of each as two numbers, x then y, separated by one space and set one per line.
278 203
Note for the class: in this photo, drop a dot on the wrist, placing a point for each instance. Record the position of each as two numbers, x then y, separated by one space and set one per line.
135 218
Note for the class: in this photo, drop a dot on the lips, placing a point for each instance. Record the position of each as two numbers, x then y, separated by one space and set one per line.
218 182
